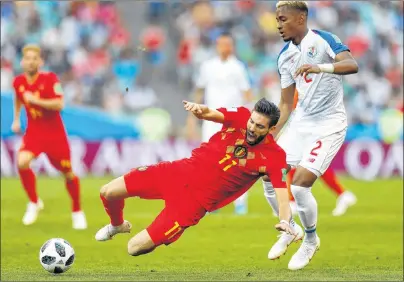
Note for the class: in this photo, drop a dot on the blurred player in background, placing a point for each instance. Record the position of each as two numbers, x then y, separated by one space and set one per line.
222 82
42 96
312 62
216 174
345 198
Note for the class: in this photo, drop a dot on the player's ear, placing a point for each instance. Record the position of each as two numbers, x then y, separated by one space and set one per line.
272 129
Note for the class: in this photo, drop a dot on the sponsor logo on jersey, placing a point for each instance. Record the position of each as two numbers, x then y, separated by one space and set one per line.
312 52
240 152
142 168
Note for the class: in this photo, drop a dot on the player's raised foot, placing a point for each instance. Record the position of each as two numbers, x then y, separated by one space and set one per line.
280 247
344 201
304 254
79 220
31 214
109 231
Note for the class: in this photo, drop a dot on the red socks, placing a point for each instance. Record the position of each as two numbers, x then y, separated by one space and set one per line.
28 181
73 187
330 179
114 210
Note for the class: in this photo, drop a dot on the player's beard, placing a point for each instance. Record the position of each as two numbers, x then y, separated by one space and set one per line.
256 141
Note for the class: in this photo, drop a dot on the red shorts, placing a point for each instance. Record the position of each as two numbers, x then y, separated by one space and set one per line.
166 181
58 151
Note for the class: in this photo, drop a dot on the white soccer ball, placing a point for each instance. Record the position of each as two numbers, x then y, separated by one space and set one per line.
56 255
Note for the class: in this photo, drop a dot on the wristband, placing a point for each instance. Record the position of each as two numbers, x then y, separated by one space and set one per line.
328 68
284 221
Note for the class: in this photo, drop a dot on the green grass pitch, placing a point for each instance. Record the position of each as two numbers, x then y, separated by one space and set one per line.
365 244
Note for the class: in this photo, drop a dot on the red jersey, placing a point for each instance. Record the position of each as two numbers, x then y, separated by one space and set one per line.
42 124
227 166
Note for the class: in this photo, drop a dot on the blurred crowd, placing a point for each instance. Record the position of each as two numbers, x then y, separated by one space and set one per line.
87 44
372 30
84 42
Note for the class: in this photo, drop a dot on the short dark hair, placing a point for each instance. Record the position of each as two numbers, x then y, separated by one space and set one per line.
269 109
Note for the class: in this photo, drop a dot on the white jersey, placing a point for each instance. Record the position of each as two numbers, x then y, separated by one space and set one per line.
224 83
320 96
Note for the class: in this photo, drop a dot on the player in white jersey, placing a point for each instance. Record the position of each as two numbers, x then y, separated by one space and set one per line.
222 82
312 63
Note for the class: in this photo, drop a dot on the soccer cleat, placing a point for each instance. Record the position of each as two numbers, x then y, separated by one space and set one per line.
344 201
79 220
109 231
280 247
304 255
31 214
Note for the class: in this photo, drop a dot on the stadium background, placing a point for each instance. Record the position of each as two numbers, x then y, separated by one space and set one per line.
94 48
124 110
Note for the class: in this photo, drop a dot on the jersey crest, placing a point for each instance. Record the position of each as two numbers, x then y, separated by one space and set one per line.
312 52
240 151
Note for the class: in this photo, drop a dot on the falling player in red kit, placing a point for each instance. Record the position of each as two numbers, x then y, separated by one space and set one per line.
216 174
42 96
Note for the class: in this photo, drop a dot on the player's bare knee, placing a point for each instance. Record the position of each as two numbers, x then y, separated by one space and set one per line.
303 177
265 178
23 162
69 175
105 192
137 248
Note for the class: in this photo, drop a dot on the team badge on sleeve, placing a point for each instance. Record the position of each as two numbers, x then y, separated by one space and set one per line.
284 173
57 88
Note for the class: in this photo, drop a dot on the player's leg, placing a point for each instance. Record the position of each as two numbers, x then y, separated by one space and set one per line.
59 157
345 198
315 162
280 246
27 153
164 230
289 179
140 182
113 197
293 156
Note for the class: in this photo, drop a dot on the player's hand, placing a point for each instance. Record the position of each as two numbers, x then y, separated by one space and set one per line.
16 127
306 69
284 227
192 107
29 97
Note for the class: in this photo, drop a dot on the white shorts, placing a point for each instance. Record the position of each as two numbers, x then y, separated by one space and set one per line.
311 147
209 128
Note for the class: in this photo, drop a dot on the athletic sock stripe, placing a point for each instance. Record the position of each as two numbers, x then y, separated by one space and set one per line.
310 231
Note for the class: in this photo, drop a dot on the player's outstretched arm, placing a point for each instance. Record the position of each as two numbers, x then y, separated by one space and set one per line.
286 108
203 112
285 214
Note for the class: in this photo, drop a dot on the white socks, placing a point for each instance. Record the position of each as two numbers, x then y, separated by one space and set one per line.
307 208
269 193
